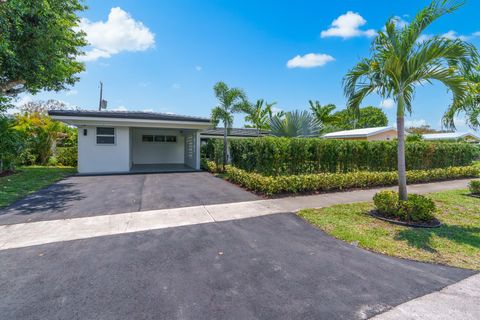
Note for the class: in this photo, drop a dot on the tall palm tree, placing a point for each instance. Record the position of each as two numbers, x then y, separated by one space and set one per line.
295 124
258 115
400 61
231 100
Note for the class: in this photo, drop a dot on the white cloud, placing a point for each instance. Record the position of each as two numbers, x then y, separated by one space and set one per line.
415 123
119 33
119 108
476 34
310 60
71 92
424 37
348 26
400 22
198 68
453 35
387 103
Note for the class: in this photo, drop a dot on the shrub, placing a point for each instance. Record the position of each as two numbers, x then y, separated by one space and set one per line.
67 156
286 156
52 161
474 187
325 182
416 208
386 201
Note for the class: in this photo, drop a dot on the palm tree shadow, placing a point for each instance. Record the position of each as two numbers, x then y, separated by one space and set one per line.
422 238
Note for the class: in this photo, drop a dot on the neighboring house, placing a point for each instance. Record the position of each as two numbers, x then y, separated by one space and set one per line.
117 141
370 134
232 133
469 137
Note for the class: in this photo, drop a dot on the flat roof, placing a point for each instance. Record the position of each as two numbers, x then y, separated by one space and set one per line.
364 132
127 115
448 135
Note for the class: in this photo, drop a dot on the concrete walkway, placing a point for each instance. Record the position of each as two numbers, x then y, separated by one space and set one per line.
42 232
458 301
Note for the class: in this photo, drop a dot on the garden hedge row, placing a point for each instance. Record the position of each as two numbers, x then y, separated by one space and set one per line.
287 156
324 182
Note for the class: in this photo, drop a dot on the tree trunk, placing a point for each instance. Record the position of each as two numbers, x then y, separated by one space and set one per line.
224 147
402 170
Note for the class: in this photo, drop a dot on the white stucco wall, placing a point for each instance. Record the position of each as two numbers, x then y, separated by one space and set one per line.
93 158
157 152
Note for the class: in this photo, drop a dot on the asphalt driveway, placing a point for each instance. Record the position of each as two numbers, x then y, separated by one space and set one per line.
82 196
270 267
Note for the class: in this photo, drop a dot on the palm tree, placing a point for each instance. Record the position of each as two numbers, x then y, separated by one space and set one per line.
400 61
295 124
322 113
259 116
231 100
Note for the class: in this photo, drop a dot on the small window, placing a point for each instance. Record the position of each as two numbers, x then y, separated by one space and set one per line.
147 138
171 138
159 138
105 135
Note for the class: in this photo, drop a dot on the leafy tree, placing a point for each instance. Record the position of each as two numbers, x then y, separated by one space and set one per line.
258 115
368 117
39 46
40 133
44 106
11 144
423 129
400 61
295 124
231 100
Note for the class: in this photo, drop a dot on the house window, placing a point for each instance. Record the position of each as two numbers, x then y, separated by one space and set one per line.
158 138
147 138
105 135
171 138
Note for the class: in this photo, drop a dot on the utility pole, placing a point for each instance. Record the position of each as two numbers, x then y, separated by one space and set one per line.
101 97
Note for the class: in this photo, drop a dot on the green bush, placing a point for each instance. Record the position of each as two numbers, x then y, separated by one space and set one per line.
325 182
474 187
67 156
386 201
287 156
416 208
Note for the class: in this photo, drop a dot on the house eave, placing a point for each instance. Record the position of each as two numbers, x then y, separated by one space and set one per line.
79 121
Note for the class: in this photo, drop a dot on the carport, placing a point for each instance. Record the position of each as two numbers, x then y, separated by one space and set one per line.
122 142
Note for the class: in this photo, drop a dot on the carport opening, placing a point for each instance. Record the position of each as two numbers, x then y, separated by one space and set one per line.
162 150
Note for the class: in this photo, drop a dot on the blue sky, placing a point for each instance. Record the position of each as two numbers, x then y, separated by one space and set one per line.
166 56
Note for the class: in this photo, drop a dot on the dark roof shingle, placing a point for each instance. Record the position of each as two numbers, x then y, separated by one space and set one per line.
127 115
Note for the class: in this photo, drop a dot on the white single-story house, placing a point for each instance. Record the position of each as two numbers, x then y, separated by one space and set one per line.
467 136
369 134
120 142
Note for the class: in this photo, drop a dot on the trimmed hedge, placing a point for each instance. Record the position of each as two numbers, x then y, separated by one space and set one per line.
288 156
324 182
474 187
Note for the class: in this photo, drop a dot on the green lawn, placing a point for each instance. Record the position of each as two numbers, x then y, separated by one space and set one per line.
29 179
456 243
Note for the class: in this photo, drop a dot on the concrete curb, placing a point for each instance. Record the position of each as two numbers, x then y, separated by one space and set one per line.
458 301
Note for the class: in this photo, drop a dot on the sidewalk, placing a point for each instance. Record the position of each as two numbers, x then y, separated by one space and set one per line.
458 301
37 233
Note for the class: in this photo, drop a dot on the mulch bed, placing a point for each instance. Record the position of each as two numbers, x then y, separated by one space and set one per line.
435 223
